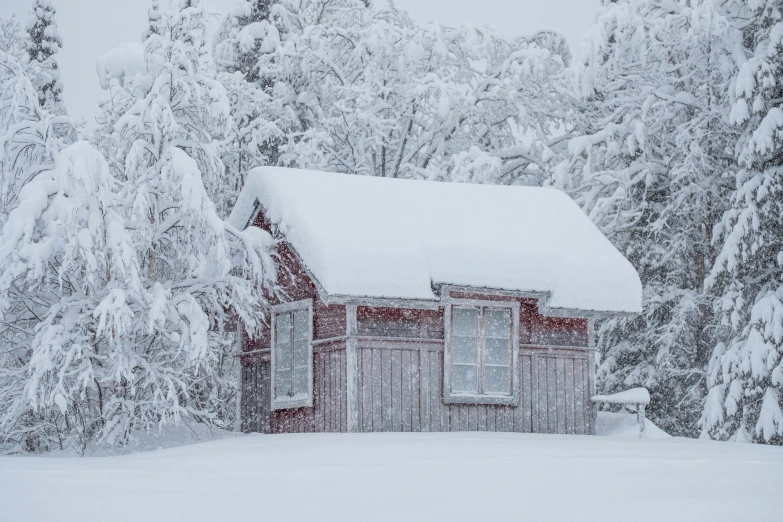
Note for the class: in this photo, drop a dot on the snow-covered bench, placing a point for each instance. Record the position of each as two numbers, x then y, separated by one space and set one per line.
638 397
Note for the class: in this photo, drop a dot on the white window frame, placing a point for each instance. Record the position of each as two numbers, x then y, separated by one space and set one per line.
283 403
450 397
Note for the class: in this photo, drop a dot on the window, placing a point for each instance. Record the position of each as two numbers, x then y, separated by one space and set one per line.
292 355
481 352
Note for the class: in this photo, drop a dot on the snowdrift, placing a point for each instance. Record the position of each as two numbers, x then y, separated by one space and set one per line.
451 477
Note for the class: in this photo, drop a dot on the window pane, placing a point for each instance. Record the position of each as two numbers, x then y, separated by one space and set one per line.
300 382
498 351
464 378
283 377
301 348
283 382
283 353
498 323
291 352
496 379
301 324
465 350
282 328
465 322
283 340
301 366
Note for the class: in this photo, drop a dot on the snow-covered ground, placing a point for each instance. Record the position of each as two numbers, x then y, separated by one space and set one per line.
428 476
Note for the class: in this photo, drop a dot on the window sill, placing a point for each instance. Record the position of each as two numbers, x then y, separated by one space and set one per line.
290 404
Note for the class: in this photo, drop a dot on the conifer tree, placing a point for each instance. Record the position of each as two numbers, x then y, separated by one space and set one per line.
263 111
745 401
651 170
29 145
43 44
120 283
242 42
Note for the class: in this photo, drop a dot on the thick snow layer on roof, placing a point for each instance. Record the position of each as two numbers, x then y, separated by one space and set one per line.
392 238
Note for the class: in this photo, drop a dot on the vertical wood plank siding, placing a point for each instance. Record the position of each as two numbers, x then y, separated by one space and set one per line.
328 413
399 379
256 398
401 389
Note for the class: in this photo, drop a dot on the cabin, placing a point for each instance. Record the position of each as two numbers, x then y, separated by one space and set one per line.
426 306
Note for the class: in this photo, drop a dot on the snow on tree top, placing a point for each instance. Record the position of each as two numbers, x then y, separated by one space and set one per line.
123 63
365 236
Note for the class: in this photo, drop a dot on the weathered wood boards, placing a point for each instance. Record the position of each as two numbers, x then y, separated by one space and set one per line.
401 389
329 411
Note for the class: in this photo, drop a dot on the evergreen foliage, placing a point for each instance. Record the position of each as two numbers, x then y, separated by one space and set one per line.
43 43
120 284
746 371
653 168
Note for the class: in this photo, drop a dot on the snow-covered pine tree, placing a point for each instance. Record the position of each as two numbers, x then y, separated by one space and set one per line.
28 147
27 136
651 170
263 110
43 43
123 280
745 400
153 20
250 29
167 146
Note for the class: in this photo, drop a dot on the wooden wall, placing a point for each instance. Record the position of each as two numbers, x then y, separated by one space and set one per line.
329 411
255 401
400 382
294 283
401 389
399 323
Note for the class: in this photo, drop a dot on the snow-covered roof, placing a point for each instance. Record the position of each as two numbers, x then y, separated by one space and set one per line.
363 236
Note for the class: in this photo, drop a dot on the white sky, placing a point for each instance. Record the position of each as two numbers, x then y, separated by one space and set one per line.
92 27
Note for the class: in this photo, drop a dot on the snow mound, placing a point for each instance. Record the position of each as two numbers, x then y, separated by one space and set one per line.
624 426
392 238
450 477
171 436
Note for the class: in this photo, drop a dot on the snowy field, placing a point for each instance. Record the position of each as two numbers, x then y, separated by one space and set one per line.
368 477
